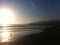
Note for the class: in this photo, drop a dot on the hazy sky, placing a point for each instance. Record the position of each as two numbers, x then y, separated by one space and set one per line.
27 11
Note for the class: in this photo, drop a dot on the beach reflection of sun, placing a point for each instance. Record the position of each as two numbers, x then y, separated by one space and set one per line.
6 35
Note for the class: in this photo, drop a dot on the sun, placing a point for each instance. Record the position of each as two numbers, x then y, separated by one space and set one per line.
6 16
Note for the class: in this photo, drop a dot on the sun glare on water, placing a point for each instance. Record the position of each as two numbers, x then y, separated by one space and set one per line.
6 35
6 16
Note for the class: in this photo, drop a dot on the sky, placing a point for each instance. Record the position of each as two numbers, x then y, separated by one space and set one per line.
27 11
